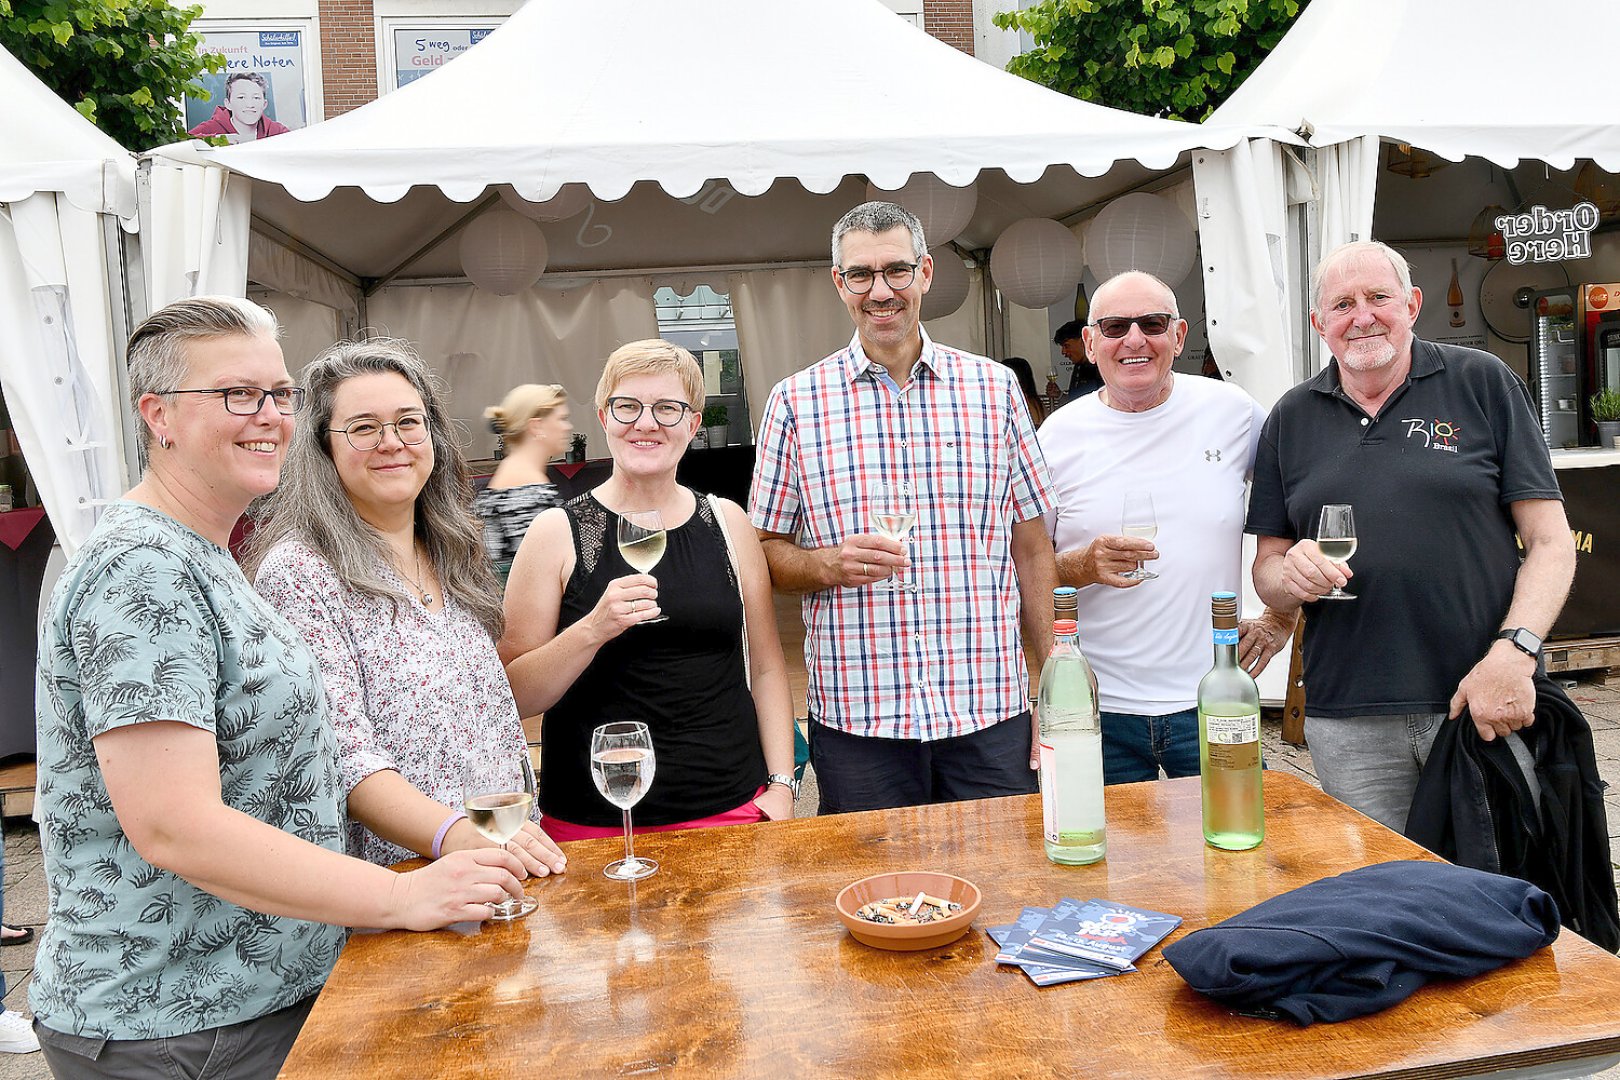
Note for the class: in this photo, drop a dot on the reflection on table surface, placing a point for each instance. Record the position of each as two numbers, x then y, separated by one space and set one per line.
731 962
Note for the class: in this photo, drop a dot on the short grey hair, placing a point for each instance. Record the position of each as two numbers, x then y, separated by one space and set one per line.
311 505
158 349
878 217
1101 294
1345 252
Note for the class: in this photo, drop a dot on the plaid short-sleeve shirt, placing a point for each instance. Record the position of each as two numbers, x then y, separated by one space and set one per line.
945 660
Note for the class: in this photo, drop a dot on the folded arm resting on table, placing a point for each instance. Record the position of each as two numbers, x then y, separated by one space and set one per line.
183 826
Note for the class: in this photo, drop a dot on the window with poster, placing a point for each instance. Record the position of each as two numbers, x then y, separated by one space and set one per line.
701 322
410 47
909 10
270 84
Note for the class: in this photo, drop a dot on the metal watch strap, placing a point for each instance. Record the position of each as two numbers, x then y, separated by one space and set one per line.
785 779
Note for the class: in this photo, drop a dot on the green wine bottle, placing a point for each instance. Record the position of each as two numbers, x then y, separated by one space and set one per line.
1229 740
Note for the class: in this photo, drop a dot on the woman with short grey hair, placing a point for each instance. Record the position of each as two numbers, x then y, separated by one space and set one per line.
192 828
370 549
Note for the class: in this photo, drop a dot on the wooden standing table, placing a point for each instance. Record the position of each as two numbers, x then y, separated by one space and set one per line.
731 962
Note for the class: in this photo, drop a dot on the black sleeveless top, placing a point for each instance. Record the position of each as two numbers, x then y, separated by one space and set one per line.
682 678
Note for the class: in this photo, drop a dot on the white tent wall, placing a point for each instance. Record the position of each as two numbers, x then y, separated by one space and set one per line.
197 242
57 357
306 327
964 327
786 321
483 345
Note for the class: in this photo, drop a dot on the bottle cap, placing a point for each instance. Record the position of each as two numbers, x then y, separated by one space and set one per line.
1065 601
1065 626
1224 605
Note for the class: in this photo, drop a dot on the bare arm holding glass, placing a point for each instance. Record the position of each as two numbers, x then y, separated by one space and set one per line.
773 701
861 559
182 825
540 662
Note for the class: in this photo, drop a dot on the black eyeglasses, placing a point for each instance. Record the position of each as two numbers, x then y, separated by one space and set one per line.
412 429
628 410
248 400
1117 326
860 280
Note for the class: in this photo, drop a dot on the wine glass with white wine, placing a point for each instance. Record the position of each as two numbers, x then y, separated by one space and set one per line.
642 541
622 764
1336 539
893 515
1138 519
497 795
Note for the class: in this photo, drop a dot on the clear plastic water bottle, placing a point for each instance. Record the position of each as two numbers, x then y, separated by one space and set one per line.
1075 824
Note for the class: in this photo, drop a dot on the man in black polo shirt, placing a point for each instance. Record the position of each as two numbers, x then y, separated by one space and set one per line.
1439 453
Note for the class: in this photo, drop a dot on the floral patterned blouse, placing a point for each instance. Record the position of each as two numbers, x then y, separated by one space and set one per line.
408 689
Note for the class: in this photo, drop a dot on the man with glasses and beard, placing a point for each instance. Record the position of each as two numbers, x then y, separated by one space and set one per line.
1190 444
918 690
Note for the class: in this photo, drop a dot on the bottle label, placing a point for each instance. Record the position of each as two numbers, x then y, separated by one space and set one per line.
1226 637
1233 741
1049 815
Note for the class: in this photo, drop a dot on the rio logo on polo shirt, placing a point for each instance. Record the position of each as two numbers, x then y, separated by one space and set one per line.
1436 434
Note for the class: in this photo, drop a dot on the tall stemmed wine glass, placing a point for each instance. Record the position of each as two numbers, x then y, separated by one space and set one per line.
642 540
1336 538
497 795
622 765
893 515
1138 519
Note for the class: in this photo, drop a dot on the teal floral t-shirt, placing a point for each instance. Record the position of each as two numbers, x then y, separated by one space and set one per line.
150 621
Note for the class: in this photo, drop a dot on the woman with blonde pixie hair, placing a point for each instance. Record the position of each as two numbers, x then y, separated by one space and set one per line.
188 778
369 549
582 645
534 427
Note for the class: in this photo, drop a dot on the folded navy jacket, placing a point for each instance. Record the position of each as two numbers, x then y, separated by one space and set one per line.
1353 944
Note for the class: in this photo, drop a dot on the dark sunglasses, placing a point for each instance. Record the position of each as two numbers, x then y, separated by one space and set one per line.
1117 326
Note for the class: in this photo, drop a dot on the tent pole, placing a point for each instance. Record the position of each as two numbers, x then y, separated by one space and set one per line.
478 208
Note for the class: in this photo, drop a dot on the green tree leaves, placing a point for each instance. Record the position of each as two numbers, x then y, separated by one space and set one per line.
1172 58
123 64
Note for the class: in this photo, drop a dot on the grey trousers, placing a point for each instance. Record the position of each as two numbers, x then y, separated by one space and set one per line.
250 1050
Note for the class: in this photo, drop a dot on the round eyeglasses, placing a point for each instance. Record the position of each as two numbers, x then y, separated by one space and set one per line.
628 410
412 430
859 280
248 400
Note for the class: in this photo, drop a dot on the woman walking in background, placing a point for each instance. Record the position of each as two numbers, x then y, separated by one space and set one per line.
534 426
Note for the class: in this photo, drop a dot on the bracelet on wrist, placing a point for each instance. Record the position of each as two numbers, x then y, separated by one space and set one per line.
444 829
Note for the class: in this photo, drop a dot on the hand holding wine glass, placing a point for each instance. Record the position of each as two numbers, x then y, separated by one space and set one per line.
1336 539
893 513
642 540
497 785
1139 520
622 765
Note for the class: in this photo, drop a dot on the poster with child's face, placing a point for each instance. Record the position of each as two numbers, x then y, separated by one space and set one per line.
261 91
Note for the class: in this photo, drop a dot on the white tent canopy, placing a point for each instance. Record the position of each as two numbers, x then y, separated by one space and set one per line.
716 136
65 187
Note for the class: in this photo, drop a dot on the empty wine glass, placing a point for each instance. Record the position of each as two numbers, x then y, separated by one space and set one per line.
497 795
622 765
1138 519
1336 539
642 541
893 515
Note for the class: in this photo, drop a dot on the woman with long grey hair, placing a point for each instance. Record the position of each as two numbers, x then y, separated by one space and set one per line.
370 549
187 772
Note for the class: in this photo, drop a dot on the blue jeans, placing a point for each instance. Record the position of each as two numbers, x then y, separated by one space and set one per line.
1135 747
1371 763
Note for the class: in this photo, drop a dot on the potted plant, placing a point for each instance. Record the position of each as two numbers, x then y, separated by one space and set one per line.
576 446
1606 411
715 419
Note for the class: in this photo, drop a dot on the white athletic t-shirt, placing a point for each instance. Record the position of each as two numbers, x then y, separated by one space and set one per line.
1150 645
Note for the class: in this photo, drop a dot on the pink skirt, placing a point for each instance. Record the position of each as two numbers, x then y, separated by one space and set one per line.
564 831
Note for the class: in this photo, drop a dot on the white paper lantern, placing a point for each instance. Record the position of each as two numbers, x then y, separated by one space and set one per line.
1036 262
943 210
949 287
503 252
1142 232
569 200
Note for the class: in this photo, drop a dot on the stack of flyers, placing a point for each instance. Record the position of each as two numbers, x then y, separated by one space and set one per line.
1072 941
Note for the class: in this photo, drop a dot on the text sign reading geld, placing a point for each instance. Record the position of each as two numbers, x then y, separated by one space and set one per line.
1542 235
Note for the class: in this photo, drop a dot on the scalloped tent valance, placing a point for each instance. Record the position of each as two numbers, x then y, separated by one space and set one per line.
47 146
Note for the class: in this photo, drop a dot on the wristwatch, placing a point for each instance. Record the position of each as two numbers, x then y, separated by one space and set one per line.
1522 639
785 779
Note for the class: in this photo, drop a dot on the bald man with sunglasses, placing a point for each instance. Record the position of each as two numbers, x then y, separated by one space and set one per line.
1190 444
